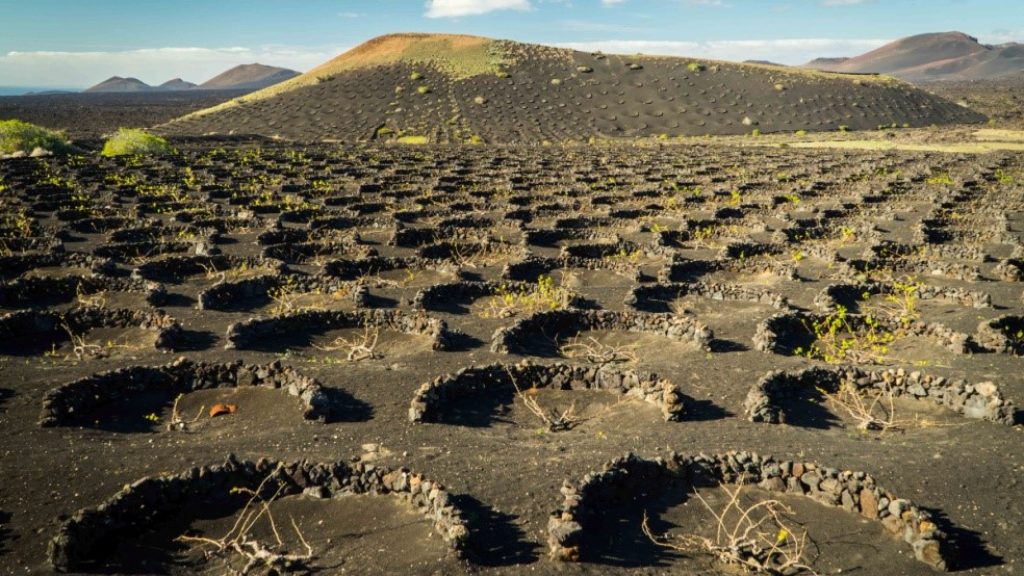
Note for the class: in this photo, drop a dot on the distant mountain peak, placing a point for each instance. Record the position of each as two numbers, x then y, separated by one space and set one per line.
177 84
120 84
249 76
933 56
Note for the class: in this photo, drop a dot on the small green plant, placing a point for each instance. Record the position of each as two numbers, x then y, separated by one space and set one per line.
18 136
940 179
415 76
623 255
540 297
837 341
423 89
801 133
132 141
844 128
696 67
704 233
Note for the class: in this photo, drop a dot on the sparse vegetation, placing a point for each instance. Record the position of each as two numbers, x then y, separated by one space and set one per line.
131 141
539 297
239 541
17 136
554 420
756 538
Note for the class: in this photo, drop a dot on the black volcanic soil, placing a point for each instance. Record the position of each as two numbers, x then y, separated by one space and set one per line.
821 212
558 96
95 114
1001 99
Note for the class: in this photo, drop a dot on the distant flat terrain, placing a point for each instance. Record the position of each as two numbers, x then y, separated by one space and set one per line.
92 115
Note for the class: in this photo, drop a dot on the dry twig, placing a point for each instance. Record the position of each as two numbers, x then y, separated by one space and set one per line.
554 420
178 422
756 538
871 411
358 348
240 541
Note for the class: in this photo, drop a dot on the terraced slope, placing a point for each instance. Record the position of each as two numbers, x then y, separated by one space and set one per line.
456 88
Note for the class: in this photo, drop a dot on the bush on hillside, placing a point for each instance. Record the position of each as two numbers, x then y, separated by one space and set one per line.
18 136
135 141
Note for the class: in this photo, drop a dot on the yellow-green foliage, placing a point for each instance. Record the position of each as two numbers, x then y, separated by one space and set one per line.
18 136
540 297
461 61
412 140
132 141
940 179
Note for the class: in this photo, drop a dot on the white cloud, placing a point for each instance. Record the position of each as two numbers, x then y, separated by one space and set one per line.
151 65
790 51
1002 36
456 8
611 2
842 2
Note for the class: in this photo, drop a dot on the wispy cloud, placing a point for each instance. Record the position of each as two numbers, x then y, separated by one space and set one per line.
151 65
457 8
611 2
785 51
1002 36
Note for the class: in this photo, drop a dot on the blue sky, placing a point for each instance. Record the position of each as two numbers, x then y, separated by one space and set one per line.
75 43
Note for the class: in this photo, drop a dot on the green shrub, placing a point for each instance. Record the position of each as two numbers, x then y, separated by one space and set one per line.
18 136
423 90
695 67
130 141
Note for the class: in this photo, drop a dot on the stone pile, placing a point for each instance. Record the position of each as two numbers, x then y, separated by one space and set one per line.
85 540
516 338
981 401
246 333
62 405
572 527
429 401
